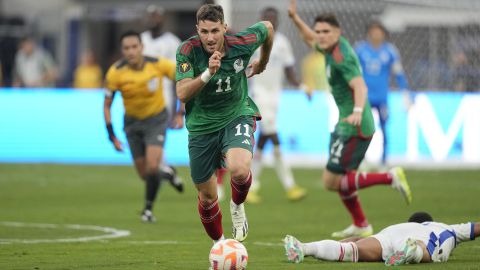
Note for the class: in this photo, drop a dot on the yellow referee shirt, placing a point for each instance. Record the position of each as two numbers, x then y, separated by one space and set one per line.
142 90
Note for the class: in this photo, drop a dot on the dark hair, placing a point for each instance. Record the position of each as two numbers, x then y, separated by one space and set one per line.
270 9
329 18
420 217
377 24
130 33
210 12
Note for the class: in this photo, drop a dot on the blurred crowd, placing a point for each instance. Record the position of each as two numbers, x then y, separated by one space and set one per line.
27 61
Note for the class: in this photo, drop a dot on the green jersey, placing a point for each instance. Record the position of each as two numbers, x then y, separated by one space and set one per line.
342 66
225 97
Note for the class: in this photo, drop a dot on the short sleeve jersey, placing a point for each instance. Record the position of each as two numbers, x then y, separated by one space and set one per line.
142 90
342 66
378 63
225 96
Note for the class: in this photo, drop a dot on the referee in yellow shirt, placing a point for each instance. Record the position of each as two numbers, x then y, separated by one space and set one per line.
139 79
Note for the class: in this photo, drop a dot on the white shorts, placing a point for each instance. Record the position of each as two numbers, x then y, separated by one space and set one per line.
393 238
267 102
268 125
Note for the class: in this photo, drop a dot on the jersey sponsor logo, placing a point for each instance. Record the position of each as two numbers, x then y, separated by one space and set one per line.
153 84
184 67
238 65
246 142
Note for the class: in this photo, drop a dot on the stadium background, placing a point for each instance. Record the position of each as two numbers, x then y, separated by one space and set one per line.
64 125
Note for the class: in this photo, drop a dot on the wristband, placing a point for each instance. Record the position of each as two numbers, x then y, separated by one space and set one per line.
206 76
111 134
357 109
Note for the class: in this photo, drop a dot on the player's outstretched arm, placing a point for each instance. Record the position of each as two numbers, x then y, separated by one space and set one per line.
306 32
258 66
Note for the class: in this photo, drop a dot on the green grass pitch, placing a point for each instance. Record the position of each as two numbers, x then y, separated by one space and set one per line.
111 196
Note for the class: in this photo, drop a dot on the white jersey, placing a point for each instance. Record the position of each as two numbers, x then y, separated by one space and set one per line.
439 238
267 86
163 46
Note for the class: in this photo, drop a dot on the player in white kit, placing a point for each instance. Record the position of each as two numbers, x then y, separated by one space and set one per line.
267 88
157 42
403 243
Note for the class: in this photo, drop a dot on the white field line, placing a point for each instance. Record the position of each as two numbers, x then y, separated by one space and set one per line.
109 232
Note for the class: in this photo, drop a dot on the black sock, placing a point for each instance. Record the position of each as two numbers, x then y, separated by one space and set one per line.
167 173
152 187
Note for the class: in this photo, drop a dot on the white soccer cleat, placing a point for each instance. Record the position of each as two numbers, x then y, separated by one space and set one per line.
239 222
408 255
147 216
293 249
400 183
353 230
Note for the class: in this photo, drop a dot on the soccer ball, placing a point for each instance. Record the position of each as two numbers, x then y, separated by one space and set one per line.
228 254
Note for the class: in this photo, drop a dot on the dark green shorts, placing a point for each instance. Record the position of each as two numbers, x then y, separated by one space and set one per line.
148 131
208 151
346 153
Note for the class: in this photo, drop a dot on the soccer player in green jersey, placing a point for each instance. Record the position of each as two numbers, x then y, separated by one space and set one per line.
353 133
220 116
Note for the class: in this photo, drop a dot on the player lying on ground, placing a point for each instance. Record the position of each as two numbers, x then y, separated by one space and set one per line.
403 243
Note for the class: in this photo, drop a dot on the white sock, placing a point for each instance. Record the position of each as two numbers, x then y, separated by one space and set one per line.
257 166
283 171
330 250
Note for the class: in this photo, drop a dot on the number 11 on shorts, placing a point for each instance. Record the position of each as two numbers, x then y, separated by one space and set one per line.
239 130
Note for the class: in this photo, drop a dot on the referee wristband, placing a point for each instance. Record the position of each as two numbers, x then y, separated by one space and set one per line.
206 76
111 134
357 109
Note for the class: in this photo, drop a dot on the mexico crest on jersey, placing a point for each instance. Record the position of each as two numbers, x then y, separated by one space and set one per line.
184 67
238 65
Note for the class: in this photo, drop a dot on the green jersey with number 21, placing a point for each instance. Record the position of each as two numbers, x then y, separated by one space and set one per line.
342 66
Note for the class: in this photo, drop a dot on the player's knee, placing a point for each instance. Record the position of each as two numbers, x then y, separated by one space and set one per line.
207 198
151 169
240 171
330 184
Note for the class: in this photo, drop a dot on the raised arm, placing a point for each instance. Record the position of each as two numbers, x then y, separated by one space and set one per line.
258 66
307 34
